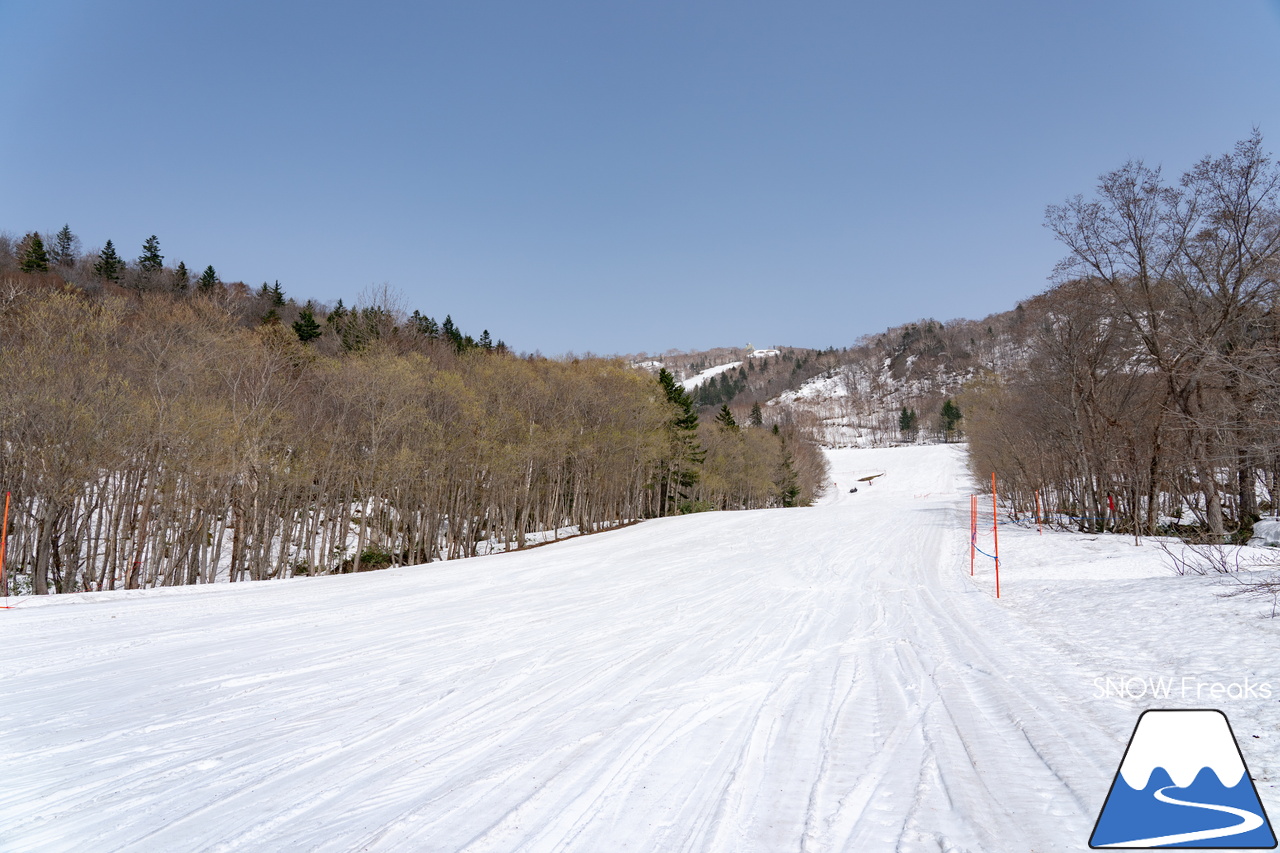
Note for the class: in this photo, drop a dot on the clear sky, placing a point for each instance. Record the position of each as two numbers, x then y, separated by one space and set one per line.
614 176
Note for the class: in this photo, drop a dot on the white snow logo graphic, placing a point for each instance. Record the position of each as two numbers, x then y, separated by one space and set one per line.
1183 783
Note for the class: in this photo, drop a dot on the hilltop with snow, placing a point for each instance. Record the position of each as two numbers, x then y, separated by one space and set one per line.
854 396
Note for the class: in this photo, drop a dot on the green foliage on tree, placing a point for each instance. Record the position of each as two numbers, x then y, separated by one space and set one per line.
277 294
450 333
907 422
725 418
208 280
181 278
424 325
63 251
338 316
151 261
32 256
684 453
109 265
787 479
306 327
757 416
721 389
950 419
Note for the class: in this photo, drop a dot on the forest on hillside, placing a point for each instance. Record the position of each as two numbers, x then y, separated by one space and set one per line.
161 429
1148 398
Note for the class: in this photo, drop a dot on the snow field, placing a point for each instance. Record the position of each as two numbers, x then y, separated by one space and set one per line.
710 373
815 679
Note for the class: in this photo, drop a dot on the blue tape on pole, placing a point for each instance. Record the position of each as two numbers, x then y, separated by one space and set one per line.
980 551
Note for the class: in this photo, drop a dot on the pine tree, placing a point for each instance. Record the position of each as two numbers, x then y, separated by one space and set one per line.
64 247
109 265
950 419
907 422
485 342
277 294
725 418
685 454
208 280
450 333
32 256
787 479
306 327
757 416
424 325
181 278
151 261
338 315
271 318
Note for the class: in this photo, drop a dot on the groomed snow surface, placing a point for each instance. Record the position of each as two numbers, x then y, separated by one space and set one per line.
821 679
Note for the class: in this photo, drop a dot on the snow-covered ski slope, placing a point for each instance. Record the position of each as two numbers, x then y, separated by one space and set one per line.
710 373
822 679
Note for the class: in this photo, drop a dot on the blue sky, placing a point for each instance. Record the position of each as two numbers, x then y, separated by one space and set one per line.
616 176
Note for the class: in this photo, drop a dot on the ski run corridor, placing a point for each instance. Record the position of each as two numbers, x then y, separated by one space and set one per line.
819 679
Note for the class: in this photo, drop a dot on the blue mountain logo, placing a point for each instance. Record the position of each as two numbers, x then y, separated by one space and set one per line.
1183 783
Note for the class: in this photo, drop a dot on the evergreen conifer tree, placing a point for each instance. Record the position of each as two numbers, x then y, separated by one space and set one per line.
950 419
181 278
907 422
485 342
424 325
725 418
33 257
109 265
338 315
685 454
787 479
757 416
208 280
151 261
277 294
450 333
306 327
64 247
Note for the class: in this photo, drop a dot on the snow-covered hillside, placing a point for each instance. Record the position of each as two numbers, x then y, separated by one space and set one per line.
827 678
710 373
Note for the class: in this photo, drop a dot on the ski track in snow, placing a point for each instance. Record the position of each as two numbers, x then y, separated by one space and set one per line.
822 679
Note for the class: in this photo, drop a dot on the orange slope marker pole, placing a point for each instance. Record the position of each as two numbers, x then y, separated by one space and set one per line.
4 541
1039 523
995 534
